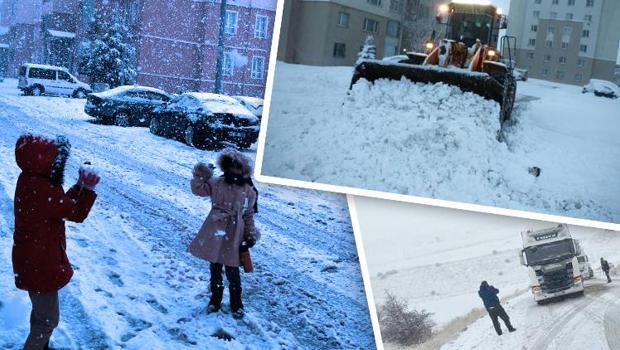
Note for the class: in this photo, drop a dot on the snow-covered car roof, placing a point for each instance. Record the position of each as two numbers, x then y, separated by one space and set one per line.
216 103
254 101
45 66
125 88
396 58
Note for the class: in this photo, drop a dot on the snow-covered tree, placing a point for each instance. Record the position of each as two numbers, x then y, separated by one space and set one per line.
402 326
369 51
109 56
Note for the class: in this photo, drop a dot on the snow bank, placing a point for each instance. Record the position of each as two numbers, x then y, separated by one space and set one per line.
436 141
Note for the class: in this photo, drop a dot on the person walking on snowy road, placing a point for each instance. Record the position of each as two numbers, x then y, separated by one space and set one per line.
605 268
488 294
229 228
41 207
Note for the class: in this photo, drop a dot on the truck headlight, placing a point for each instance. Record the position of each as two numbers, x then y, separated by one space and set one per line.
577 280
536 289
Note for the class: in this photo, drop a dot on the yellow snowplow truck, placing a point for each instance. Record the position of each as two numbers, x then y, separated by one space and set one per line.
466 56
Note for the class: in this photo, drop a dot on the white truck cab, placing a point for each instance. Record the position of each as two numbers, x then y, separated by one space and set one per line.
551 257
39 79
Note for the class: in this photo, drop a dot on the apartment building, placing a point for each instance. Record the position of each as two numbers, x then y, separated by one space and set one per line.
332 32
176 41
566 41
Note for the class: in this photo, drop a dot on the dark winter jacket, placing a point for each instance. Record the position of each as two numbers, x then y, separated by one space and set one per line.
605 265
488 294
40 263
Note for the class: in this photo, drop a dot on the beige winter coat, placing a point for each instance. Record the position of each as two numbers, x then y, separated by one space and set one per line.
230 220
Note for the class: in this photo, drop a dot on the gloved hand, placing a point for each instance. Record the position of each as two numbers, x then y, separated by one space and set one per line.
250 242
203 170
88 177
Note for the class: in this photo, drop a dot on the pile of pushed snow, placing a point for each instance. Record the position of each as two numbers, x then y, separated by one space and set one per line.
393 130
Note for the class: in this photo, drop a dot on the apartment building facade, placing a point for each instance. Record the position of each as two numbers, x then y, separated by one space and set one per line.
176 41
332 32
566 41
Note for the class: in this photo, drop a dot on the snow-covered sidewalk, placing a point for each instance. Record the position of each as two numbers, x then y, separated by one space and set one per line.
435 141
137 287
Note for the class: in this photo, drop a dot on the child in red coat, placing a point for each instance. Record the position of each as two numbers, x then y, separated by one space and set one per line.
41 207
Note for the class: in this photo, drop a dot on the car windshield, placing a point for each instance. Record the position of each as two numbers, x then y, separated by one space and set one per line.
549 252
469 27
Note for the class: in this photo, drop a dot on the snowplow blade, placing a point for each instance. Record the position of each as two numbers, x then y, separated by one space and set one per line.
479 83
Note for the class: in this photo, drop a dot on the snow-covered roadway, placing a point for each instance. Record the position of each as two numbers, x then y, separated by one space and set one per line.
135 285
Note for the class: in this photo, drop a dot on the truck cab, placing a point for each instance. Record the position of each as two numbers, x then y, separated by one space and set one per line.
551 257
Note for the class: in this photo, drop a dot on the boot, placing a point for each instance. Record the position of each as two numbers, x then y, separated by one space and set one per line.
217 291
236 305
511 329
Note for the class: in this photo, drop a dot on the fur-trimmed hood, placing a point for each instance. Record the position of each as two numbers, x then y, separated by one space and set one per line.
231 158
41 156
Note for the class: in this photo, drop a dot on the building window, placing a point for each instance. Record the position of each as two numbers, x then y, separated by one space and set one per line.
343 19
562 59
370 25
549 43
227 65
587 18
581 62
567 31
374 2
569 16
553 15
578 77
585 33
393 28
258 67
544 72
531 42
571 2
550 30
559 75
547 58
564 45
260 27
583 48
536 14
589 3
555 2
339 50
230 22
530 55
396 5
533 28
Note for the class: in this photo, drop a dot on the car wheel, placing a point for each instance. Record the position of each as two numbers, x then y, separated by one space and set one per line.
36 90
155 127
121 119
79 93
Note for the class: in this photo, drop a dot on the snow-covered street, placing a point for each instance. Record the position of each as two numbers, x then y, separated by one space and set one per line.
435 259
434 141
135 285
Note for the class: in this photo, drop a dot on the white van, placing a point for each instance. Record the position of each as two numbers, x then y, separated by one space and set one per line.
39 79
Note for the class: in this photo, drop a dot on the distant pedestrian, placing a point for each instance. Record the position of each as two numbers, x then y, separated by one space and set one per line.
40 261
229 230
605 268
488 294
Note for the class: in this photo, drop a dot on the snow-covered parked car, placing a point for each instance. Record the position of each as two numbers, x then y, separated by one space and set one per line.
396 59
253 104
126 105
39 79
602 88
520 74
206 121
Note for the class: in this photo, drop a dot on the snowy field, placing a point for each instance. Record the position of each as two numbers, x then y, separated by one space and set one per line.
436 258
434 141
136 287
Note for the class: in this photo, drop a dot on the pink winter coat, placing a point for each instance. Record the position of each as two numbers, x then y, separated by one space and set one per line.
230 220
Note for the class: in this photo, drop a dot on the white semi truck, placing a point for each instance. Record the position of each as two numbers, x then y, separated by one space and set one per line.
551 258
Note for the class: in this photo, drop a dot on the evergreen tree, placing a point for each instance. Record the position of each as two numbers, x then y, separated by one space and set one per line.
109 56
369 51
